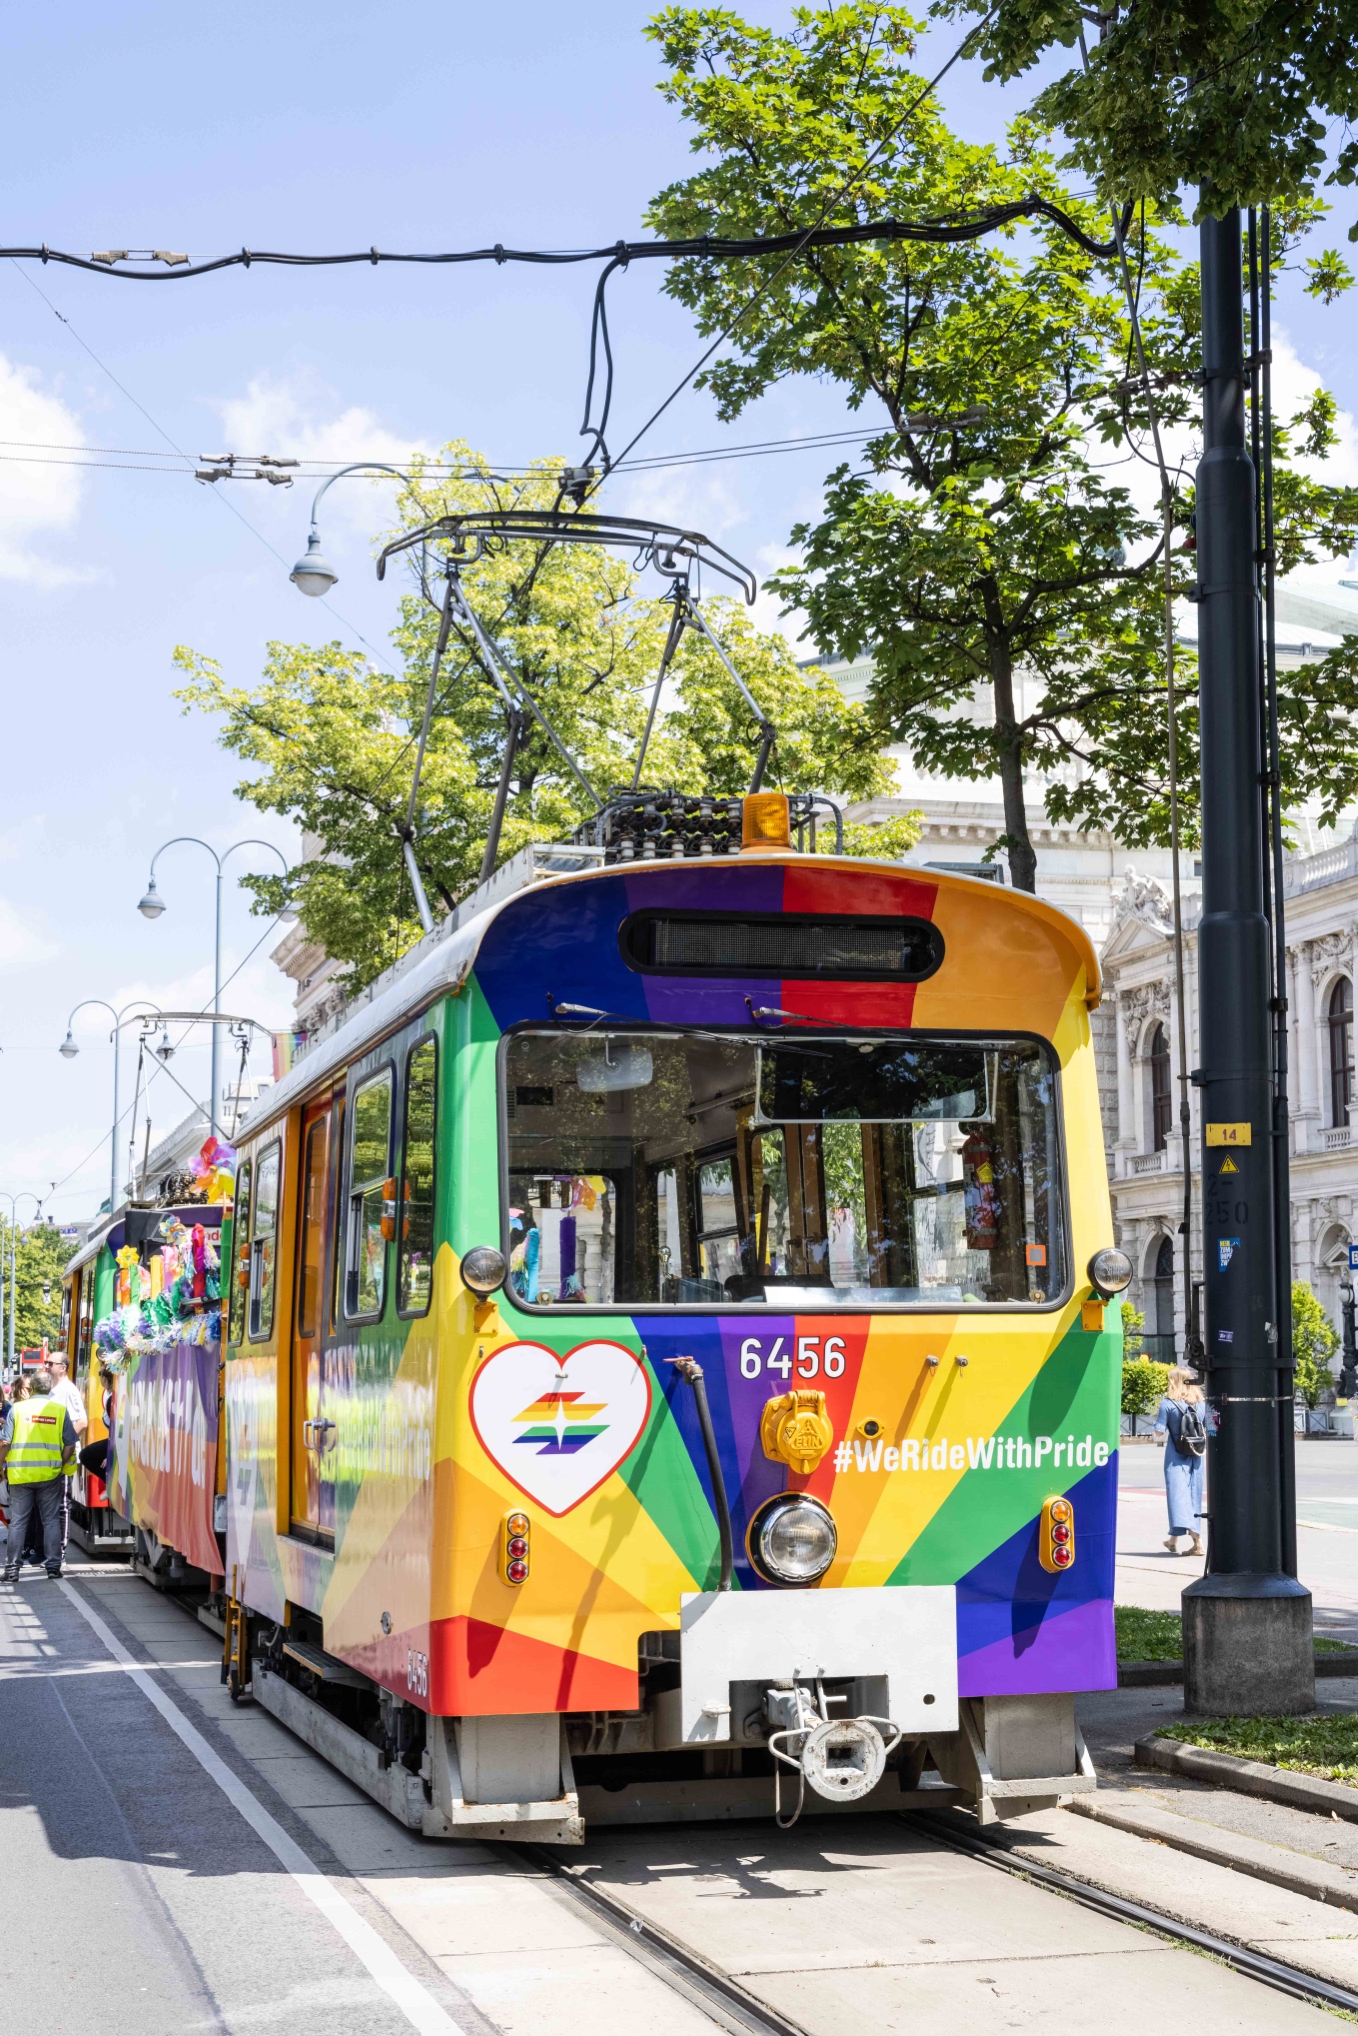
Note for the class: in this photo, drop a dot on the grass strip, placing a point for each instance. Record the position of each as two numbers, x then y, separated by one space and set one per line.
1158 1636
1326 1744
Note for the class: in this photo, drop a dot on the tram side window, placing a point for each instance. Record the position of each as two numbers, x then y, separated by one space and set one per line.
365 1262
416 1247
264 1242
807 1171
240 1231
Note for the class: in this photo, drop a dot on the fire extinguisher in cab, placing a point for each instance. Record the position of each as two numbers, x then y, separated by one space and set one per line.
980 1193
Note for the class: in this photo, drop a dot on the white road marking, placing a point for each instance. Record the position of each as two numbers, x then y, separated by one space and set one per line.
416 2003
36 1672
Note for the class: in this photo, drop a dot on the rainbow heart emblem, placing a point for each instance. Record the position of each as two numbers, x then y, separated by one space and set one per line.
558 1426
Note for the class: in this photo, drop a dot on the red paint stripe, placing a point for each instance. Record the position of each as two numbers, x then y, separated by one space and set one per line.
839 1393
477 1670
866 892
857 889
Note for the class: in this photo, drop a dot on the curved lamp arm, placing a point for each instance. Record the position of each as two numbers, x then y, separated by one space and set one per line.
313 574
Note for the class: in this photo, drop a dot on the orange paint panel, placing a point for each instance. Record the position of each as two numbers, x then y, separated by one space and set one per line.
1019 969
477 1670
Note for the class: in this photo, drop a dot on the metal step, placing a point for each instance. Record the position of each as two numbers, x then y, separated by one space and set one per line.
328 1668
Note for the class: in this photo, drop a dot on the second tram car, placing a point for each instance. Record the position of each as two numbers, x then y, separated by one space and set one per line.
667 1368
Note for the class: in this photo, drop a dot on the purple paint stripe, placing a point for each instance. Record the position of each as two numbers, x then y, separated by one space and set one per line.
1072 1650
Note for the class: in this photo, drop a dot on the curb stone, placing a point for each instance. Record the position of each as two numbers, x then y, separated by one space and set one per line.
1316 1881
1150 1675
1249 1777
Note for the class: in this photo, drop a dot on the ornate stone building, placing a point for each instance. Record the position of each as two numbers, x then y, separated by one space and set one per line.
1138 1028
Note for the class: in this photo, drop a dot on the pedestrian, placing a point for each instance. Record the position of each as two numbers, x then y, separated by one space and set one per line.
1179 1418
71 1397
19 1390
37 1442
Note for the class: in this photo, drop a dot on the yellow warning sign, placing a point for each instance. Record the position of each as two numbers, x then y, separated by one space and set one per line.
1228 1166
1229 1134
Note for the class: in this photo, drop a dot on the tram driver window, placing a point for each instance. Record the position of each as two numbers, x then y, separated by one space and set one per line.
264 1242
793 1171
416 1248
370 1186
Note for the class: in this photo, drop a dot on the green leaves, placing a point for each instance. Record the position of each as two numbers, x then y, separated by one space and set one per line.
987 551
1314 1342
1223 93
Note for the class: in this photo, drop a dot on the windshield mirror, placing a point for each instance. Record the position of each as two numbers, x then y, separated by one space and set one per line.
690 1170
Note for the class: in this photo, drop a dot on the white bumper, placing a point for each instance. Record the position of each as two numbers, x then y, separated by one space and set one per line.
905 1633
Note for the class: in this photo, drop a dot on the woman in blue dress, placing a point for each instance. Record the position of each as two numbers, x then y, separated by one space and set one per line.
1183 1465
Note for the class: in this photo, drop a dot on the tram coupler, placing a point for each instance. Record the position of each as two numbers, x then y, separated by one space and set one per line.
842 1758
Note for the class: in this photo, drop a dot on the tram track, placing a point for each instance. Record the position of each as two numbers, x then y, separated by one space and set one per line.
682 1968
1273 1972
734 2008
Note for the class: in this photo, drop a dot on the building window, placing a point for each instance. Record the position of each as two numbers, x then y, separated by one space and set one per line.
1161 1109
1161 1310
1340 1016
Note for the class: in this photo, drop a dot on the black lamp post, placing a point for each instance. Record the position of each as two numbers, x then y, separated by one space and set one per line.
1246 1623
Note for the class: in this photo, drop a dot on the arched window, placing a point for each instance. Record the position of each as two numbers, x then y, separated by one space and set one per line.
1161 1108
1164 1294
1340 1019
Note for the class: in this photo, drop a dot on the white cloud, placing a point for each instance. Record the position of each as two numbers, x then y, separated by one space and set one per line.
294 417
1293 385
37 491
22 943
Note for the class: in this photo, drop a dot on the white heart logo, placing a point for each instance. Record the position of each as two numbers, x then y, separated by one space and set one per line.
558 1426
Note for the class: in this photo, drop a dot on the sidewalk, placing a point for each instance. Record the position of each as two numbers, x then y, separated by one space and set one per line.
1149 1576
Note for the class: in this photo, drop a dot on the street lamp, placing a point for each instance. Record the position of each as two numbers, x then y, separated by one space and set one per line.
68 1051
151 907
314 574
14 1201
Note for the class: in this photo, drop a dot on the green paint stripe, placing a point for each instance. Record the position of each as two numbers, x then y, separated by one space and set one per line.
1077 1390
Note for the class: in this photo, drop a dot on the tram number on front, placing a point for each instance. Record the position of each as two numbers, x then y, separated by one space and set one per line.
802 1357
417 1673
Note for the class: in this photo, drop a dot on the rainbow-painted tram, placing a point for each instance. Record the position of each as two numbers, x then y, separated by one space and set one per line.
666 1364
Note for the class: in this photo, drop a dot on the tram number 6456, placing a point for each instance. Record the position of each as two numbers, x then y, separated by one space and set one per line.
417 1673
803 1362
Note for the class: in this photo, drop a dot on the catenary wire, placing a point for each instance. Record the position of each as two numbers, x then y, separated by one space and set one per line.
161 432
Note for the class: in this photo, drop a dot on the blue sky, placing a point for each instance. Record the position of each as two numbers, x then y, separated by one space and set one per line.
294 127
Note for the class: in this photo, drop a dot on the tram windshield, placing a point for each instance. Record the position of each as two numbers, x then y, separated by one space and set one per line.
795 1172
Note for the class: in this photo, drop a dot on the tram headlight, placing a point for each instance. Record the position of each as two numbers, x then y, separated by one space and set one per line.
484 1270
1110 1271
792 1539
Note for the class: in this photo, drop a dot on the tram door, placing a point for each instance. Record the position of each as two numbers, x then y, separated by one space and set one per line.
313 1433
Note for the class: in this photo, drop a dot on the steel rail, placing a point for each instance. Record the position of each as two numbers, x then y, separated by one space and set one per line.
682 1968
1287 1979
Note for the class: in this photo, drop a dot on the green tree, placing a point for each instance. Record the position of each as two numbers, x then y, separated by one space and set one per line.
1143 1380
1009 592
1237 94
1314 1342
41 1255
333 737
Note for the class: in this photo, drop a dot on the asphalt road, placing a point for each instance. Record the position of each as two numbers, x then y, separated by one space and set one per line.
1327 1533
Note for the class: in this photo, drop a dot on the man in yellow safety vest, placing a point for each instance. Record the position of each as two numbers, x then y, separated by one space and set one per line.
37 1442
